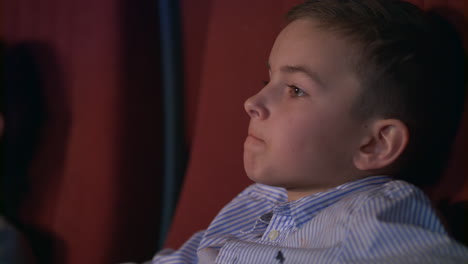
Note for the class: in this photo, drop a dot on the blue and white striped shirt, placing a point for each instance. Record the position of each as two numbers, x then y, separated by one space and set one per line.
372 220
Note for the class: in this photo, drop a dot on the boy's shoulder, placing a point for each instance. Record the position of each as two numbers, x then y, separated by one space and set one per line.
392 191
396 197
394 201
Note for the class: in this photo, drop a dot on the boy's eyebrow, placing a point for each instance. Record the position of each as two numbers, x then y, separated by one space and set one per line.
300 68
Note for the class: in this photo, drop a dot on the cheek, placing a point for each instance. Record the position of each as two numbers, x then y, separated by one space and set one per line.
295 138
318 137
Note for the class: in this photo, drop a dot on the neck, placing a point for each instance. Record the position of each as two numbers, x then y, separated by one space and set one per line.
294 194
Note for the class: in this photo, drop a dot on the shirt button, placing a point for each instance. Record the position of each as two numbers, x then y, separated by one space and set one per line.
273 235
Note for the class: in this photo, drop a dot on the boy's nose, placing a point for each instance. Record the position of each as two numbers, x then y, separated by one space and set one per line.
254 108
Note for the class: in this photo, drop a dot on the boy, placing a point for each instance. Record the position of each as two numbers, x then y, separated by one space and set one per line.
358 95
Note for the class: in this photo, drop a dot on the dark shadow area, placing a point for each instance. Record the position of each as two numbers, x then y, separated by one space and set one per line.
140 139
36 130
24 115
441 49
2 145
456 215
453 25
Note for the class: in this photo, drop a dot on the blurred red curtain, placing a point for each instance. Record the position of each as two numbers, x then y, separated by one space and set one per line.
92 193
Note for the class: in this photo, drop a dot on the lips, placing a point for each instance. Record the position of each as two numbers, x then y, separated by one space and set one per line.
253 142
254 137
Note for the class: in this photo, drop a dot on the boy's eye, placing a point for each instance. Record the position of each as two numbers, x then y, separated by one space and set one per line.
265 83
294 91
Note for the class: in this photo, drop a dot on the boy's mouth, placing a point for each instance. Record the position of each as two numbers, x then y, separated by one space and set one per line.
250 135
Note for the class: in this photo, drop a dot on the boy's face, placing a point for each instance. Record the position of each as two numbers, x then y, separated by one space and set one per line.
302 135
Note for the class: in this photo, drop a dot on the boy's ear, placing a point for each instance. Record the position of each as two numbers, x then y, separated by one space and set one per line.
384 142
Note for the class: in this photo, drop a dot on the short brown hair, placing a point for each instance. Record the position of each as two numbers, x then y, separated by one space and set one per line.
411 66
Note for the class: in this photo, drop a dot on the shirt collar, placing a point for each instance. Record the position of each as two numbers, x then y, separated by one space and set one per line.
304 209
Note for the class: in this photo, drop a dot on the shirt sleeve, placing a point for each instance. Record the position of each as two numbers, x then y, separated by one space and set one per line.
186 254
13 246
399 226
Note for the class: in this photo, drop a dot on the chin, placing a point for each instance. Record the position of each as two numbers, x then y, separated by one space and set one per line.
260 172
255 176
264 178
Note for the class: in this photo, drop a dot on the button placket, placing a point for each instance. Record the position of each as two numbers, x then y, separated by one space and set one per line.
273 235
275 229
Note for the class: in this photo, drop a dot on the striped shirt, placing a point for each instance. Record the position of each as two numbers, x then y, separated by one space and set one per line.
372 220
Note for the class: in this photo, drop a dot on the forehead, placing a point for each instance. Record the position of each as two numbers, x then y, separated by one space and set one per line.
303 43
